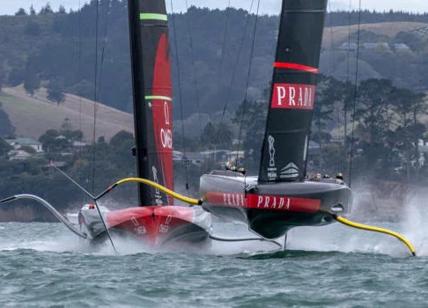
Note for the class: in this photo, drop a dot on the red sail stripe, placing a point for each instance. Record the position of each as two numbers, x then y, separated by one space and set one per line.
296 66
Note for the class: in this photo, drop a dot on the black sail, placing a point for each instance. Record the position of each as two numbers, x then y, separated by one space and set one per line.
152 91
284 152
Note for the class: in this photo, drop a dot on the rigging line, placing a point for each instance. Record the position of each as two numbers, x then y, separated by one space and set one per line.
329 74
78 53
345 103
83 189
94 199
95 122
94 132
354 106
235 68
99 63
180 96
348 51
223 44
245 103
104 46
330 17
105 226
79 66
192 59
331 70
238 57
79 73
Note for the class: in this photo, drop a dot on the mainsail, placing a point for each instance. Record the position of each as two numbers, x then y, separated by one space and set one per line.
284 152
152 90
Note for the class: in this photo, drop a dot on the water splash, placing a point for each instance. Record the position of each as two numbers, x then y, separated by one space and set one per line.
336 237
35 236
55 238
415 218
409 219
342 239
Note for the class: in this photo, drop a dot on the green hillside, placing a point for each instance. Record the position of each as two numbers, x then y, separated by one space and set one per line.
32 116
59 48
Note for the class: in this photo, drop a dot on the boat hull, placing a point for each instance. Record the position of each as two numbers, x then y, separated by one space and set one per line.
271 209
156 226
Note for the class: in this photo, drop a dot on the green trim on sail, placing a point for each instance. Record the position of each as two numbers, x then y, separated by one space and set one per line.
153 97
153 16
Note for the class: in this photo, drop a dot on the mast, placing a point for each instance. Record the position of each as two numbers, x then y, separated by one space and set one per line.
152 96
284 151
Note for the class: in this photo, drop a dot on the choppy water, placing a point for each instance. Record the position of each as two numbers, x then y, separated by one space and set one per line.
42 265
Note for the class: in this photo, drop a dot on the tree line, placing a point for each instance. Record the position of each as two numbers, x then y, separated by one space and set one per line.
94 166
379 125
56 50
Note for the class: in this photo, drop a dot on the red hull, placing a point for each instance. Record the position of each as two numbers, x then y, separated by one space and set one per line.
153 225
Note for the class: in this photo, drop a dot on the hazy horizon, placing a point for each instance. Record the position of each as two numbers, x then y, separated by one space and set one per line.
9 7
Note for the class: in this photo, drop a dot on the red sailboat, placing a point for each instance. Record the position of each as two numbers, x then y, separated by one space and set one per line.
156 220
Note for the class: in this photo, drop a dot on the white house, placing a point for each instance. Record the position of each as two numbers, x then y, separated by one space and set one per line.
348 46
19 155
29 142
423 146
401 47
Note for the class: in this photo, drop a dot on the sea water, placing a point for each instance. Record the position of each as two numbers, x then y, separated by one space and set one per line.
43 265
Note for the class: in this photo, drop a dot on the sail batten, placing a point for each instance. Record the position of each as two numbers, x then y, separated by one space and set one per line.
160 97
153 16
292 99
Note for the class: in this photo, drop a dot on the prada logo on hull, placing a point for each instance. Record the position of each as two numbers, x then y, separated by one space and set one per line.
264 202
273 202
234 199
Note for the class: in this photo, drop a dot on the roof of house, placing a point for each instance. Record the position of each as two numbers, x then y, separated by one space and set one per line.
313 145
23 141
193 156
19 154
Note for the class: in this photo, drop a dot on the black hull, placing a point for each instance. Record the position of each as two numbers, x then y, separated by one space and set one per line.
271 209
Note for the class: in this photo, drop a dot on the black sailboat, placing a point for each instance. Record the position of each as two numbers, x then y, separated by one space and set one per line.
280 197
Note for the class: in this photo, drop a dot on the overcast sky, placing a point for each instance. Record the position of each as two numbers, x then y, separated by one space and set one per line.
268 6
